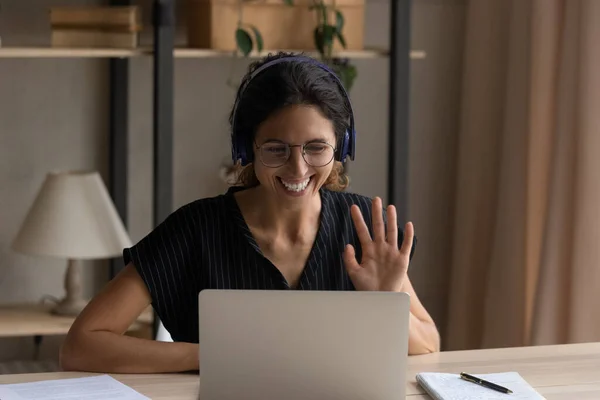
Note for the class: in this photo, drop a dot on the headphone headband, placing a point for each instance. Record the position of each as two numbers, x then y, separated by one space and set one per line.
239 148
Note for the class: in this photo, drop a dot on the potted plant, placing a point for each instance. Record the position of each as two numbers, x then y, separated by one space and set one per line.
327 31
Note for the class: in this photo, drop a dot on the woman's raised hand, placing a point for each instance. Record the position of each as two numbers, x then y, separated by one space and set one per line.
383 266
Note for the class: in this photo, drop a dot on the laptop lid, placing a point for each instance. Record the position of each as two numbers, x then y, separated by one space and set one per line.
292 345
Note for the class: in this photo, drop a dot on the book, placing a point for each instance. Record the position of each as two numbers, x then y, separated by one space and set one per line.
446 386
95 26
93 39
119 17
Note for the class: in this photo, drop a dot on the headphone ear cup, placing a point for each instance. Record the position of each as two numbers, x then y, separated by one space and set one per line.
234 156
352 149
344 147
235 150
238 151
243 156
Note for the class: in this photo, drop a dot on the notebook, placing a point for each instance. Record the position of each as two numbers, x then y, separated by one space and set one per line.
445 386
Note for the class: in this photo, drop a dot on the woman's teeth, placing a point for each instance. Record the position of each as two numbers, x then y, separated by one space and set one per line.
295 187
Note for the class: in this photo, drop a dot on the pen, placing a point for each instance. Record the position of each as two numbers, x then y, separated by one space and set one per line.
484 383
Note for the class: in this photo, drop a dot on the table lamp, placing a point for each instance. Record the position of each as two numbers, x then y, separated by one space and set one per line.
74 218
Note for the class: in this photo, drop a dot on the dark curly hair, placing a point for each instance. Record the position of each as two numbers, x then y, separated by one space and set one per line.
282 85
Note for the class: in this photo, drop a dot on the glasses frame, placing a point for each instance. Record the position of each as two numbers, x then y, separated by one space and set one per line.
289 153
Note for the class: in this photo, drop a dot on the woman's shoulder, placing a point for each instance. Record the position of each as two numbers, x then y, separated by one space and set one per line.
204 206
346 199
189 220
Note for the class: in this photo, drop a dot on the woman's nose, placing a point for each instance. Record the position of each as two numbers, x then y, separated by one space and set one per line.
297 161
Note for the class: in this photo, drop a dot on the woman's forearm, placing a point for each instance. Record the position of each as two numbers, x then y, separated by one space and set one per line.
104 351
423 337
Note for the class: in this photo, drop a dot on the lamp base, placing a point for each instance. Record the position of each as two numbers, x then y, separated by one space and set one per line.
73 302
69 307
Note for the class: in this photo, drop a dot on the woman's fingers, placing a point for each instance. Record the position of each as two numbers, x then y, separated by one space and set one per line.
349 257
407 243
377 218
392 226
361 227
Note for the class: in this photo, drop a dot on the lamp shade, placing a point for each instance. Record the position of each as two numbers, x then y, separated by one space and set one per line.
72 217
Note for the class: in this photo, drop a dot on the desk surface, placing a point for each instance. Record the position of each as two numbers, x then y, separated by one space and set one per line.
36 319
557 372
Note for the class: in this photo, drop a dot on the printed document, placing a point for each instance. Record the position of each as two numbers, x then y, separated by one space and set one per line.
90 388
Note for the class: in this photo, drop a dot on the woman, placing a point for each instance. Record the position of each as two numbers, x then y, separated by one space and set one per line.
287 226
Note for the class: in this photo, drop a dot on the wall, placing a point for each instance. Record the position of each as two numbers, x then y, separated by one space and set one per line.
53 115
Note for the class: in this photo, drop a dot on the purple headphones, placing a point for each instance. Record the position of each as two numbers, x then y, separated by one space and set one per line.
238 143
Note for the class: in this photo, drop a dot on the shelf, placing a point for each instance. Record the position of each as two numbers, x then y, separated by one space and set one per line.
56 52
356 54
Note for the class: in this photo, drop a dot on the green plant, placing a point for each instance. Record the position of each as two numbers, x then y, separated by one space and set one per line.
326 33
247 35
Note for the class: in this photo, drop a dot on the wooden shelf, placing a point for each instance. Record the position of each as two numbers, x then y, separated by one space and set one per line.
35 319
56 52
357 54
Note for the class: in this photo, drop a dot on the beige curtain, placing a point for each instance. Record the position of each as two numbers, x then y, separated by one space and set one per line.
526 242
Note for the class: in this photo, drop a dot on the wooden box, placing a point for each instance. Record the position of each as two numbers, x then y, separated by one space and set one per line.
212 23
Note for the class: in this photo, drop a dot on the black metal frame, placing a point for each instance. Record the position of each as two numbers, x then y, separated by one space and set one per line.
118 134
163 19
164 33
164 36
398 134
163 99
118 137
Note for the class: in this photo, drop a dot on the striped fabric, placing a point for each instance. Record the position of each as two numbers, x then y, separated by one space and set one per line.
207 244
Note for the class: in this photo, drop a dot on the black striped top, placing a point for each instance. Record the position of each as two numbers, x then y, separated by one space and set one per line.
206 244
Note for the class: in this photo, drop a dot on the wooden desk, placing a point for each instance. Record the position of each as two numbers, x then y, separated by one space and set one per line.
557 372
36 320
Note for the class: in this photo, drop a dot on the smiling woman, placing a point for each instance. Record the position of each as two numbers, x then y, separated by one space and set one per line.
288 225
307 100
294 169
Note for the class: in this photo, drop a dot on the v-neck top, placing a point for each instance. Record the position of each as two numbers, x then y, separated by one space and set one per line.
206 244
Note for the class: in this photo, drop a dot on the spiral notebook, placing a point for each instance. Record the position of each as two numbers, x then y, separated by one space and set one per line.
444 386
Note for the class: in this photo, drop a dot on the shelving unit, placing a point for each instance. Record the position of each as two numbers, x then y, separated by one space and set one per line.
357 54
164 53
54 52
57 52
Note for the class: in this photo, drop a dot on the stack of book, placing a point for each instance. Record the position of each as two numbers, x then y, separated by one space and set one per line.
95 26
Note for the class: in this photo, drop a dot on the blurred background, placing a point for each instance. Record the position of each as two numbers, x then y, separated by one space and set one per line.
502 166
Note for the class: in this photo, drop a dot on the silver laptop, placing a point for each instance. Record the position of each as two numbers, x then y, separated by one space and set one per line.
292 345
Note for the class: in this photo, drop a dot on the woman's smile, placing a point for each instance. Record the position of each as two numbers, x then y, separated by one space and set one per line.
295 187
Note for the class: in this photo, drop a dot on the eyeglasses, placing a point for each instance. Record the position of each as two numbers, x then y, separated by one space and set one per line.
275 154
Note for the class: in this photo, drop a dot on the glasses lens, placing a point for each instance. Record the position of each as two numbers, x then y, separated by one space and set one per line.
318 154
274 154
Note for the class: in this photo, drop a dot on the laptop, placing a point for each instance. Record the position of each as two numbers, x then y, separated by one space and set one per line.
292 345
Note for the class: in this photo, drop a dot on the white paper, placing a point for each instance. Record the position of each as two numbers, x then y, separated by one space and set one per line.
445 386
90 388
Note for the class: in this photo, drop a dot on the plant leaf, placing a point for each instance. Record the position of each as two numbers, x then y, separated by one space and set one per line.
341 38
347 74
319 39
339 21
289 2
243 41
258 37
328 33
323 8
